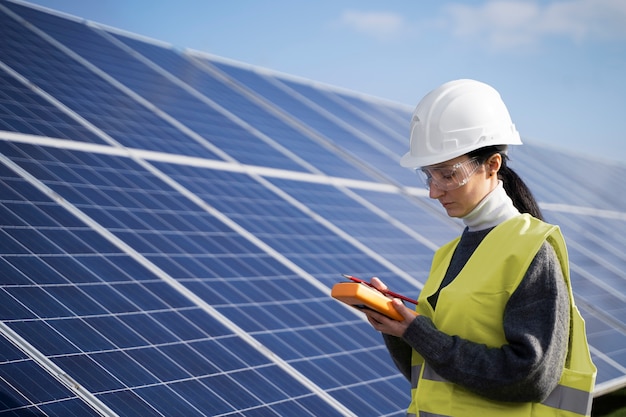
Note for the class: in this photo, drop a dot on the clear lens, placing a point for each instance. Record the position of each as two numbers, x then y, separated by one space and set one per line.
451 177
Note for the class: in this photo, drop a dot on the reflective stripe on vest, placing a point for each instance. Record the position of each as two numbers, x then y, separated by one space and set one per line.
570 399
562 397
415 375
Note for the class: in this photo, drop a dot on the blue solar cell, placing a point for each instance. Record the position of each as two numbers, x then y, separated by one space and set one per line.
12 309
167 402
305 406
120 335
96 378
31 381
73 408
12 275
17 372
130 402
22 110
190 360
76 300
127 370
8 245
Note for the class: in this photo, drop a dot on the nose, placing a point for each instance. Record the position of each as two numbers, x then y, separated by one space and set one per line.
434 192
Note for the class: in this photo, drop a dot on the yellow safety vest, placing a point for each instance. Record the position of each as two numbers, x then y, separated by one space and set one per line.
472 307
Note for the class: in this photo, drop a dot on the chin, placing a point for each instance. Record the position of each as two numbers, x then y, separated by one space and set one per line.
455 213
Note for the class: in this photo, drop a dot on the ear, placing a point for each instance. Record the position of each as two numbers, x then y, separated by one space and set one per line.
493 164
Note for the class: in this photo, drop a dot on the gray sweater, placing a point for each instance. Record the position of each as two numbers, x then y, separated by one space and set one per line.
536 326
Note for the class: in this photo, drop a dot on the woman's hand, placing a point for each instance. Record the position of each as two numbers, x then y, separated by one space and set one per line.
385 324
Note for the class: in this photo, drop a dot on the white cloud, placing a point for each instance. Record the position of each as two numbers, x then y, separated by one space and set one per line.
381 25
510 23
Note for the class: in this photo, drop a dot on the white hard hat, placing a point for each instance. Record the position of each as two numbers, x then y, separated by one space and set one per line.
456 118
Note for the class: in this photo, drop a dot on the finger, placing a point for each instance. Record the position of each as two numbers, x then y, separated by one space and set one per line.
375 318
372 321
378 284
404 311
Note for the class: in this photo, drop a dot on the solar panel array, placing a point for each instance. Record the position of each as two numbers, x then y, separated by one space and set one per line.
172 222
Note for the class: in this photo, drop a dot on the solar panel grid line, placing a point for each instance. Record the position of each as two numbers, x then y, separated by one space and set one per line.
610 267
26 376
54 370
598 311
590 211
340 232
614 249
600 242
301 272
300 126
401 138
602 312
392 114
400 225
264 104
357 133
595 232
371 160
52 100
606 387
104 136
246 150
204 55
581 190
180 287
372 139
387 108
184 129
175 80
261 405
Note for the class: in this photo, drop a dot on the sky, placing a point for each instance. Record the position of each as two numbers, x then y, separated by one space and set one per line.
559 65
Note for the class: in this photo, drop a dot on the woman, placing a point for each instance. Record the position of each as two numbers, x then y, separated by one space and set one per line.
497 331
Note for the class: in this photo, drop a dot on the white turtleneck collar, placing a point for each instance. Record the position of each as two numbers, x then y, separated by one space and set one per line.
494 209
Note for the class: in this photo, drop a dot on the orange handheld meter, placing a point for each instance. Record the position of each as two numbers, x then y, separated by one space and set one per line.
360 295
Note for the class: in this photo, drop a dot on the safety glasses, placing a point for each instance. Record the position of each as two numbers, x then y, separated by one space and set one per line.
451 177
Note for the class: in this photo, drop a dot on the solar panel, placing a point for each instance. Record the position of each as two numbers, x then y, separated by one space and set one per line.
172 222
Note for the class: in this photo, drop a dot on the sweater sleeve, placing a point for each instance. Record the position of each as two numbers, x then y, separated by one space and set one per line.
400 352
536 326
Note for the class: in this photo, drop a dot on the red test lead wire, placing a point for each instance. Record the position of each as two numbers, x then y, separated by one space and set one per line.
386 292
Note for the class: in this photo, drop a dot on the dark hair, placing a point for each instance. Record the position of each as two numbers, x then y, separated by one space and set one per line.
516 189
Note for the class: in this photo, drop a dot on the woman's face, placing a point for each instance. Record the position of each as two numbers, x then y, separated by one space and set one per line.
461 201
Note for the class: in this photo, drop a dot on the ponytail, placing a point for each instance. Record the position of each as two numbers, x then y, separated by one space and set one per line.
516 189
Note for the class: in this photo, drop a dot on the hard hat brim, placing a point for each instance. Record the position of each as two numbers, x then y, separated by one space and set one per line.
413 162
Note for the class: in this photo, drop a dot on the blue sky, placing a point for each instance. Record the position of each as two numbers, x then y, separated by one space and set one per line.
559 65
